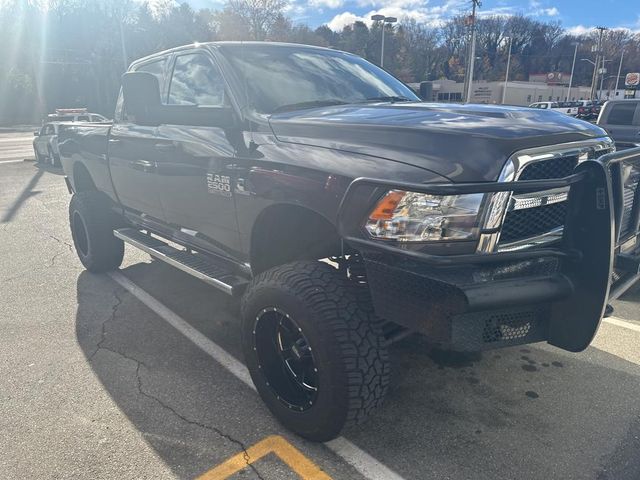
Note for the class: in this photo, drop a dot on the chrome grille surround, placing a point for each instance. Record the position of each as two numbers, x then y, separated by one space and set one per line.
500 204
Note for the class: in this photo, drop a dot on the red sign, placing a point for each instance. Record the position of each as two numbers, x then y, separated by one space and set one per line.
632 79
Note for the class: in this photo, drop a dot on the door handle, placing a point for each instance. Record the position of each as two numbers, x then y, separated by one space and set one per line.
165 147
115 141
234 167
143 166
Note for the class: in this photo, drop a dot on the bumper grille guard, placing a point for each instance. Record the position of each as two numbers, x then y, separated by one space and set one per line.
570 303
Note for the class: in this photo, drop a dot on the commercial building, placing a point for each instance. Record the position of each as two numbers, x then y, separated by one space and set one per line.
518 93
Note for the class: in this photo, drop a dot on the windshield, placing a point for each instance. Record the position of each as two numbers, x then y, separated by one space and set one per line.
280 78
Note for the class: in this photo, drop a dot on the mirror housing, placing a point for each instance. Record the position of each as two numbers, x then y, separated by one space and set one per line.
141 94
36 133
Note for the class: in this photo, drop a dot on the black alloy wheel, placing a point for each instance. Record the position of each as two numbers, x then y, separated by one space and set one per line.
285 358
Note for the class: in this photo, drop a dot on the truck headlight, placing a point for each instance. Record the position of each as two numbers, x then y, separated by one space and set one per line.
419 217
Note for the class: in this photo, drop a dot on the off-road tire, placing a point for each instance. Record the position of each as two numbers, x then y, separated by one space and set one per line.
92 222
347 342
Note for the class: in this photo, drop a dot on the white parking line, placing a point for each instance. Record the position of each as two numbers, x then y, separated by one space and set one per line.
364 463
622 323
15 160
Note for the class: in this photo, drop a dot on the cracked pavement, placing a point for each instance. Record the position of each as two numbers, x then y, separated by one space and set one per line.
95 385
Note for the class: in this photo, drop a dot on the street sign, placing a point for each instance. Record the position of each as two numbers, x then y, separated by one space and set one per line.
632 79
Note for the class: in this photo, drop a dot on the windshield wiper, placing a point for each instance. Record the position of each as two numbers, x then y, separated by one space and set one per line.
389 98
309 104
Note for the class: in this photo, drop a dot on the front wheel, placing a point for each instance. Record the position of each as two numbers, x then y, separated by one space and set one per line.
318 360
92 222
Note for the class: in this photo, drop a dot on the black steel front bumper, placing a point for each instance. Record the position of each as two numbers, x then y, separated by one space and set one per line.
477 301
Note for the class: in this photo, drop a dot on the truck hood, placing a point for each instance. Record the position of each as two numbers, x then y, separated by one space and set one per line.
461 142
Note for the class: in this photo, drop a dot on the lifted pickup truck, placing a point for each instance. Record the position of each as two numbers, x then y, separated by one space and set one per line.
345 212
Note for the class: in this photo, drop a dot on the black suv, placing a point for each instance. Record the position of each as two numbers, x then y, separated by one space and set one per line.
345 212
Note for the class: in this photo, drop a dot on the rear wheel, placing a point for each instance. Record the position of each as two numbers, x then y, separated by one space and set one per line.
92 222
318 360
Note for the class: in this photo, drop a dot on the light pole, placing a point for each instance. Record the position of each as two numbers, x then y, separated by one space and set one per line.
595 69
384 20
472 49
602 71
594 79
506 77
573 67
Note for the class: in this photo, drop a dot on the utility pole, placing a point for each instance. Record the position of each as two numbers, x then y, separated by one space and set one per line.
619 72
506 77
573 67
472 50
594 79
602 72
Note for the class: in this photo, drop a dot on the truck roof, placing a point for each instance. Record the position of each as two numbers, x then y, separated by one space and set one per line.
221 43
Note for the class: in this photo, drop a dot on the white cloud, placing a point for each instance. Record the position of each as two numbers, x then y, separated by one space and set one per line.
333 4
343 19
391 3
537 9
401 9
497 12
578 30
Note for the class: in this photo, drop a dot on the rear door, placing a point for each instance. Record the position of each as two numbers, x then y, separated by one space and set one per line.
132 155
622 122
196 154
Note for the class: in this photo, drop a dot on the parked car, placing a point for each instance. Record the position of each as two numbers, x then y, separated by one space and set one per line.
621 119
562 107
45 144
585 111
74 115
570 108
344 212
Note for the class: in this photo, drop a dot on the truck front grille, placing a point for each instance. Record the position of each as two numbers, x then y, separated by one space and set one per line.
554 168
531 222
540 218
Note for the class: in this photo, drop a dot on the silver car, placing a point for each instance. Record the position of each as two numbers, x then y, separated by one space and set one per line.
45 144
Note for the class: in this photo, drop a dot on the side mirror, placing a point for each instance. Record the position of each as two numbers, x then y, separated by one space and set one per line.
36 134
141 94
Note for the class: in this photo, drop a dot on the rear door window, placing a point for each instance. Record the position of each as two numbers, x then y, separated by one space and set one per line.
622 113
196 81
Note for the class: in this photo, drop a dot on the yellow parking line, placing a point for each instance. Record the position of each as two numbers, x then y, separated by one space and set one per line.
305 468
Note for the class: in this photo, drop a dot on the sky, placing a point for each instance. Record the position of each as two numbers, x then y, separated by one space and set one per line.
577 16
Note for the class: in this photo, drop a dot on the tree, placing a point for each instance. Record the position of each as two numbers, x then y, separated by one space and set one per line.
258 15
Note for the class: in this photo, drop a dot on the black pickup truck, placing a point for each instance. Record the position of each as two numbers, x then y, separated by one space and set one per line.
345 213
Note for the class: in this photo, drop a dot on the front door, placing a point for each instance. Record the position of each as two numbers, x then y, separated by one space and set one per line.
195 155
132 152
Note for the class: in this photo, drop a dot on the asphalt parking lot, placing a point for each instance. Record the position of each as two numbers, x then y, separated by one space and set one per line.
139 375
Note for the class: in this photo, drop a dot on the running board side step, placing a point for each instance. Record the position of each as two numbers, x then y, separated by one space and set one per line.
195 264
